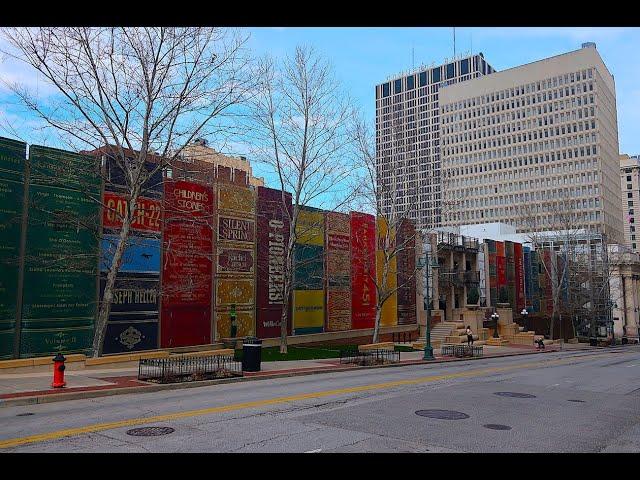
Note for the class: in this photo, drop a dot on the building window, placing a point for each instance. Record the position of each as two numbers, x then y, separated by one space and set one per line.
435 75
423 79
451 70
397 87
464 66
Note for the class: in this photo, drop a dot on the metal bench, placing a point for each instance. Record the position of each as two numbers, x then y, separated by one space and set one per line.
461 351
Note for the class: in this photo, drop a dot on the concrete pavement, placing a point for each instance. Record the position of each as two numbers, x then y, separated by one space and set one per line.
585 401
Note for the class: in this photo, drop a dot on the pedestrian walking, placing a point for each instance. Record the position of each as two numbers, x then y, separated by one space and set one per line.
469 336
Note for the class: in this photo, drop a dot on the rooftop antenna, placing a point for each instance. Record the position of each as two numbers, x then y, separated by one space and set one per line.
413 63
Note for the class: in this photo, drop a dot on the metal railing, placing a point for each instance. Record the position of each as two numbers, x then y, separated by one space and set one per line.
401 337
471 243
369 357
458 277
461 351
180 368
451 277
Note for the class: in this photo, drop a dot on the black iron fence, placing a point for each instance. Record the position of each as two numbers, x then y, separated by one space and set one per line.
369 357
461 351
181 368
401 337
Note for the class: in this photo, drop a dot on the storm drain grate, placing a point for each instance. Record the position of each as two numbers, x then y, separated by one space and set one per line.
150 431
497 426
26 414
515 394
576 401
442 414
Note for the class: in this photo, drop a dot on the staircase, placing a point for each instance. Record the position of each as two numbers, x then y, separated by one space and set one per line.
516 335
449 332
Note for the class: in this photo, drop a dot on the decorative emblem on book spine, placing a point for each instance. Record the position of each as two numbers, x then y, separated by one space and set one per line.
130 337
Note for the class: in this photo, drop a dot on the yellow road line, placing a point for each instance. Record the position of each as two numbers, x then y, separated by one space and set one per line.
14 442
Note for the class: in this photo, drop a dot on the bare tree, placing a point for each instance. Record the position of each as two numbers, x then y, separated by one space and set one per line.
378 187
579 282
136 96
299 125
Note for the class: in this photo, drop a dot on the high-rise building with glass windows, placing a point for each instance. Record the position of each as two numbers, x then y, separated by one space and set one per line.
408 137
532 144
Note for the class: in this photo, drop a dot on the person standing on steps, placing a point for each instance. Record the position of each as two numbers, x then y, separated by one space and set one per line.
469 336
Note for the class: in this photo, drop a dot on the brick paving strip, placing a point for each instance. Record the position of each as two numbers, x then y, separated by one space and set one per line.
130 384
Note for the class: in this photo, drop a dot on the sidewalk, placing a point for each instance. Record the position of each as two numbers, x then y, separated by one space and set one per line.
33 385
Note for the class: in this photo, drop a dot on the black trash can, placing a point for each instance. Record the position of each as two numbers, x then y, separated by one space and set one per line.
251 354
593 341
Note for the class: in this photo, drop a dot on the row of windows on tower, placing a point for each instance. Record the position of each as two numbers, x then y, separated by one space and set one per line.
435 75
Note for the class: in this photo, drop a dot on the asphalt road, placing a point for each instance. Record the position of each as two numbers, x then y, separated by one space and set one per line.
580 401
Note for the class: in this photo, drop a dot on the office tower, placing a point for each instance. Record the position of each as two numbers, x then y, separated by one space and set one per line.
408 137
528 144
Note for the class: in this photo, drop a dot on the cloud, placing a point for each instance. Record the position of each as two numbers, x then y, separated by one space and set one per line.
14 71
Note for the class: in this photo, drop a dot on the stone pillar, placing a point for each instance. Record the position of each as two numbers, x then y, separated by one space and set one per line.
505 313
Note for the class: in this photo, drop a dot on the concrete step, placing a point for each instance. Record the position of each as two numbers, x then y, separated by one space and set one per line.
497 342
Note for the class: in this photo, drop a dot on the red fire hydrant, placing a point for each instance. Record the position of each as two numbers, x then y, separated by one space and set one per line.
58 371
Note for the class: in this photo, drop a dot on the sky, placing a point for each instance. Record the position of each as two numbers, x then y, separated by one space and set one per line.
363 57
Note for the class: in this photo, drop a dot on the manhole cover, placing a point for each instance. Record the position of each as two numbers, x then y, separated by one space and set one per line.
515 394
577 401
26 414
150 431
497 426
442 414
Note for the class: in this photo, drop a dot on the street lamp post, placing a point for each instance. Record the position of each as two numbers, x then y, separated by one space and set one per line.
495 318
428 349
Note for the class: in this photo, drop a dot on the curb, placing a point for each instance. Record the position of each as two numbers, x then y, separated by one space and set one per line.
86 394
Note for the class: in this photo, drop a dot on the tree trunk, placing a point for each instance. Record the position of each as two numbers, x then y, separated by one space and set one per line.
284 317
286 294
376 326
553 316
107 297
